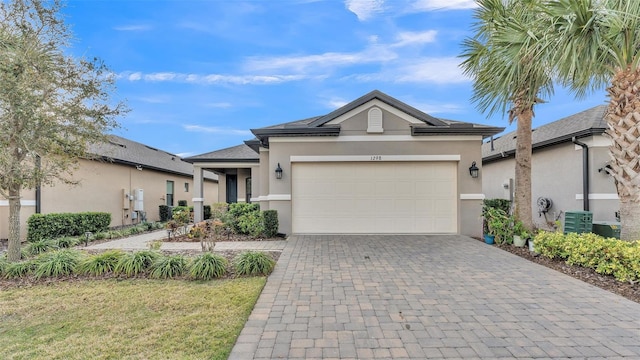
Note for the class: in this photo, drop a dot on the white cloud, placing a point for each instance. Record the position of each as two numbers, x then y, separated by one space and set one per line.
373 54
443 70
335 103
216 130
132 28
161 99
135 76
411 38
364 9
428 5
185 154
211 79
431 108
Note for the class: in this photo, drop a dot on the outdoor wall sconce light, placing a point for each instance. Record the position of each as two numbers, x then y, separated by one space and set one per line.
278 172
473 170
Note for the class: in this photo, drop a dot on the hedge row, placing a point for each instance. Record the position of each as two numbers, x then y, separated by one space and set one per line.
607 256
52 226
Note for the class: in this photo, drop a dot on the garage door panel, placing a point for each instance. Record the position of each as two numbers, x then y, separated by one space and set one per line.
380 197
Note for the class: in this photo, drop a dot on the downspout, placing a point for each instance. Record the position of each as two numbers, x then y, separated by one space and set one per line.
585 173
38 187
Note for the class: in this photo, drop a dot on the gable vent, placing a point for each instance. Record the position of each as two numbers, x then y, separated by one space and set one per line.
375 121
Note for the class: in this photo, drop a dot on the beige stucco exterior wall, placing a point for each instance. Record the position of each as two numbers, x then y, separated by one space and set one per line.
103 186
557 175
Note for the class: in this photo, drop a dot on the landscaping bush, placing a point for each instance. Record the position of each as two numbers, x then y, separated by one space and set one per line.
132 264
182 202
253 263
607 256
3 264
101 264
19 269
245 218
51 226
67 242
270 221
181 216
57 263
220 212
165 213
208 266
206 212
502 204
167 267
40 246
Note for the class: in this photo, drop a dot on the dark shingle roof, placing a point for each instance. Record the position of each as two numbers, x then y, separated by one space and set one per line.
585 123
317 126
125 151
240 153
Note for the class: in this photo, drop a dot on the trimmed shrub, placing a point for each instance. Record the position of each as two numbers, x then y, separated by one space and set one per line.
182 202
608 256
40 246
136 263
165 213
57 263
208 266
253 263
245 218
220 211
270 220
170 266
206 212
51 226
101 264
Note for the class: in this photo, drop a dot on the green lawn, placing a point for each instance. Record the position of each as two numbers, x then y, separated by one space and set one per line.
126 319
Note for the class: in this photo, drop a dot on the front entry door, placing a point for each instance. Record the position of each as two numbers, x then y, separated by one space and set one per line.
232 189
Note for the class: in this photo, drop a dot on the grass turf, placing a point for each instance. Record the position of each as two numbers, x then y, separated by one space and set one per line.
130 319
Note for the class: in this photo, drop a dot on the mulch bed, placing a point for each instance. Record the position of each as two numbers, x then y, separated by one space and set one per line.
606 282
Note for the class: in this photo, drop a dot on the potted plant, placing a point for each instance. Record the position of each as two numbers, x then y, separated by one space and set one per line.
520 234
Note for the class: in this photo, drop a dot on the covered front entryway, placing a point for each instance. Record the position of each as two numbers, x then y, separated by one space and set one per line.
411 197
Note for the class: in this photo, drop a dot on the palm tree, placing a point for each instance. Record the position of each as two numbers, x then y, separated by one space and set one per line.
508 78
597 43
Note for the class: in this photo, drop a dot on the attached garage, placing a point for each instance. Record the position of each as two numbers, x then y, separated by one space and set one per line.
412 197
373 166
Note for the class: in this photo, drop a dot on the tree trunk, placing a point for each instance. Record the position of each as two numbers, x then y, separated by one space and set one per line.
13 253
623 121
522 193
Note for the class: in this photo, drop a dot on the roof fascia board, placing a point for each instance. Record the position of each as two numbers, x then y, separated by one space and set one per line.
547 143
439 130
384 98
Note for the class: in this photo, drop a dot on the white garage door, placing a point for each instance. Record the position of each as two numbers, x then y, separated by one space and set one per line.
374 197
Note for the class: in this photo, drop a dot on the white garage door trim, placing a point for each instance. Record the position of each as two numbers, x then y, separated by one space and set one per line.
368 158
416 197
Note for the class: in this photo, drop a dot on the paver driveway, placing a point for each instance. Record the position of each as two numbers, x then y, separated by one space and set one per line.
397 297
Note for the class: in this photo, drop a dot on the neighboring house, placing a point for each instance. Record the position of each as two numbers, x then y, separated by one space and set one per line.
127 179
559 170
375 165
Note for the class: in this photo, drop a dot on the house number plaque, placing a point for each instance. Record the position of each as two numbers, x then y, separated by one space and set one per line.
376 157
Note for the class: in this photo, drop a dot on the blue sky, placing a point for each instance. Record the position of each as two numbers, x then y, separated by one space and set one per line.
199 74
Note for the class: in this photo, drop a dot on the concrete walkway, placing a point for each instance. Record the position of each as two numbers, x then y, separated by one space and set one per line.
141 242
435 297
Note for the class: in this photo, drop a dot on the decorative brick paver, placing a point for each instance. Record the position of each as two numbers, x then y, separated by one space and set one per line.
441 297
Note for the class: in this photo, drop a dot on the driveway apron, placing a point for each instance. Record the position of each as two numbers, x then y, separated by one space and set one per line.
436 297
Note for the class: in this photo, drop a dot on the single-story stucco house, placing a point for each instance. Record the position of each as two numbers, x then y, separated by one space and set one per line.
570 158
128 179
375 165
